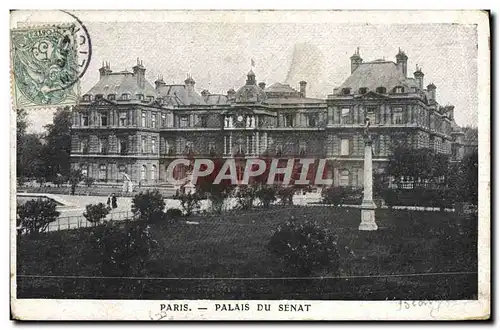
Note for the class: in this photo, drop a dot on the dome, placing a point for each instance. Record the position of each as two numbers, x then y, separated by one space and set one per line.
250 92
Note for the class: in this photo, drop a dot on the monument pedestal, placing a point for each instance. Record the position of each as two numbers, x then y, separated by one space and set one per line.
368 216
367 205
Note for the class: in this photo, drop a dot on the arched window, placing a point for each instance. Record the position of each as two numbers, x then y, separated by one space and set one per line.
112 97
346 91
140 97
143 172
153 172
344 177
125 97
380 90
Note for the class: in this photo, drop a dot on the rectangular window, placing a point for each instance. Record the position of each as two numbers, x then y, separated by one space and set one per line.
123 119
104 119
288 120
227 145
122 146
184 121
153 146
344 178
103 146
85 120
163 120
302 148
344 147
211 147
345 116
312 120
85 146
153 120
143 119
204 120
143 145
397 114
102 172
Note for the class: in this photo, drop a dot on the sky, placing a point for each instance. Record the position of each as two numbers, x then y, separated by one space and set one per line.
218 55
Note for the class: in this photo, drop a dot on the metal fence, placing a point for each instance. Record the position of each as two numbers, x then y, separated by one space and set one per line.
79 221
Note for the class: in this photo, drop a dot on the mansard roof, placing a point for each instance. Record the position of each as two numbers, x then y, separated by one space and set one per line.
375 74
119 83
180 94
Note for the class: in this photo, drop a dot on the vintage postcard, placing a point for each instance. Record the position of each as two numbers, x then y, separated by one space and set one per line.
250 165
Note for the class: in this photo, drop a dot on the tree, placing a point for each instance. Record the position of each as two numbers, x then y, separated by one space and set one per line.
58 148
75 178
94 213
30 160
35 215
148 204
417 165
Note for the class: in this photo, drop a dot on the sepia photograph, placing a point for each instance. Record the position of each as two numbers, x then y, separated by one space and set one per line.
250 165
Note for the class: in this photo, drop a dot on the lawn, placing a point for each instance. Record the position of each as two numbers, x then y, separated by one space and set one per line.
413 255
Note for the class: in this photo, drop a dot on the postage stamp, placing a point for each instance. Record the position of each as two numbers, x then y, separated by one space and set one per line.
250 165
47 64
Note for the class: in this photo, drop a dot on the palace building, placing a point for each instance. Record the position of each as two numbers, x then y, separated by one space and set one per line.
124 124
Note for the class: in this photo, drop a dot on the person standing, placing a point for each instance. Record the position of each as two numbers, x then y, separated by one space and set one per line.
109 202
114 203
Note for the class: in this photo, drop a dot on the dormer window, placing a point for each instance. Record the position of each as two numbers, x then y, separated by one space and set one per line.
346 91
140 97
98 97
414 89
111 97
125 97
151 98
363 90
380 90
87 97
399 90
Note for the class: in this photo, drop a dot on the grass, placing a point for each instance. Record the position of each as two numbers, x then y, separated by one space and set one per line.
440 247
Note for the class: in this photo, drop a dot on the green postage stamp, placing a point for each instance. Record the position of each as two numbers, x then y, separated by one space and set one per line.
45 66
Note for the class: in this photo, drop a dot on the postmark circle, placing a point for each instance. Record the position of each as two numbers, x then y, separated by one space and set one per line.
49 60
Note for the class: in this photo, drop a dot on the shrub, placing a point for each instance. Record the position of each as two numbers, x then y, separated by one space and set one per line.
217 194
145 204
304 247
266 194
190 202
425 197
342 195
121 249
173 213
94 213
89 181
285 195
245 196
34 216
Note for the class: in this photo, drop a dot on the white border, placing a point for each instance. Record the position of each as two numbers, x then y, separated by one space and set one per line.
321 310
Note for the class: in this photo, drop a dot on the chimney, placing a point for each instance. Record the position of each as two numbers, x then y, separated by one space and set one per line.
189 83
402 62
262 85
303 85
432 89
159 82
356 60
450 110
419 77
140 73
104 70
230 94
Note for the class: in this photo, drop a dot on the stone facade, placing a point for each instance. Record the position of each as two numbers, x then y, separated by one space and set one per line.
125 125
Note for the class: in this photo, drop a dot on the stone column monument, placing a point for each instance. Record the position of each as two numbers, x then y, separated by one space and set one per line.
368 206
